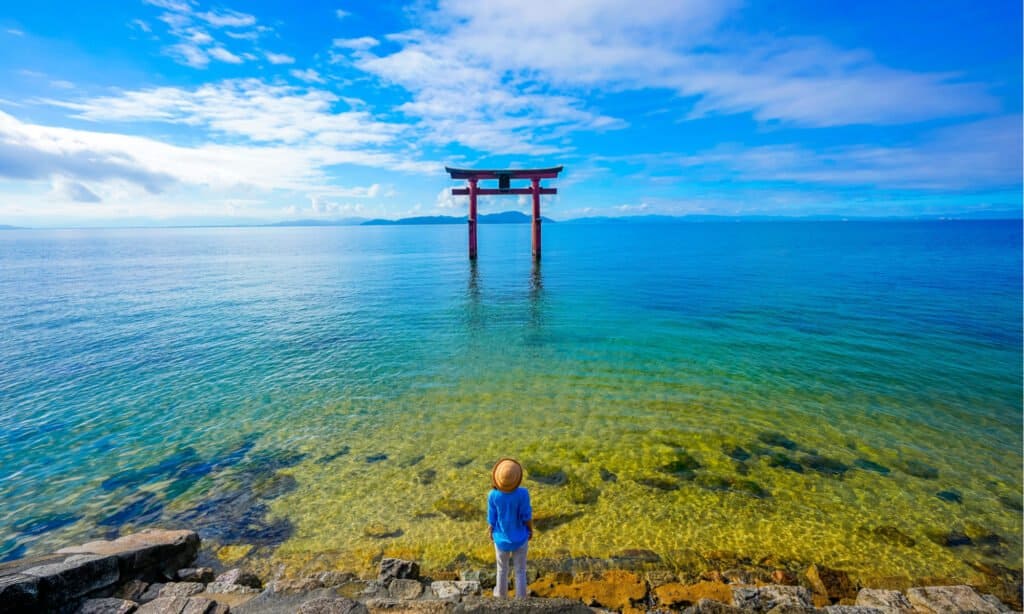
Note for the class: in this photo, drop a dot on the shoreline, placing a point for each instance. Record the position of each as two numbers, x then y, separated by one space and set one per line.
159 570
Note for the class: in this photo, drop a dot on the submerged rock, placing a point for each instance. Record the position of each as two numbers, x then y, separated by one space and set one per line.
608 476
458 509
714 482
887 534
777 440
782 461
920 470
950 496
342 451
751 488
376 458
462 462
546 522
683 466
146 508
824 465
736 453
949 539
378 530
411 461
658 483
544 473
39 525
582 494
1012 502
867 465
426 476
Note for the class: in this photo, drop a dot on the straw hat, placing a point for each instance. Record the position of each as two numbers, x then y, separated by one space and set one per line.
507 475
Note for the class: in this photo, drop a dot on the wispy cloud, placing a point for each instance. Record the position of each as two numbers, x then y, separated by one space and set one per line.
196 46
224 55
361 43
279 58
308 75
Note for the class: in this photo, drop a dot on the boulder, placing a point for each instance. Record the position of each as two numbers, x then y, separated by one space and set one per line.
224 588
164 605
339 605
181 589
274 602
133 590
941 599
150 593
532 605
676 595
889 602
767 598
109 605
831 583
195 574
19 592
405 589
75 577
398 568
710 606
148 554
454 589
422 606
239 577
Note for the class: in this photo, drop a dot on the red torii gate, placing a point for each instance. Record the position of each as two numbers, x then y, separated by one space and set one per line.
504 178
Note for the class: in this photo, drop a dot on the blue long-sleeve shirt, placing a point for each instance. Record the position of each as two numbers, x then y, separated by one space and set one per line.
508 513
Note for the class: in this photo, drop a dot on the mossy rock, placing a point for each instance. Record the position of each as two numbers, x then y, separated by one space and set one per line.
868 465
887 534
783 461
777 440
920 470
378 530
751 488
683 466
658 483
737 453
458 509
824 465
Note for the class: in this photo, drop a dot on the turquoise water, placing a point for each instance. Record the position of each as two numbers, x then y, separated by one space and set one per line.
315 396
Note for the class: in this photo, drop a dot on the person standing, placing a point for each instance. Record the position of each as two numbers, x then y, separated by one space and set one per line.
510 520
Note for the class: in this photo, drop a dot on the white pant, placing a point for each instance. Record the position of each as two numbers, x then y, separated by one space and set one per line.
519 561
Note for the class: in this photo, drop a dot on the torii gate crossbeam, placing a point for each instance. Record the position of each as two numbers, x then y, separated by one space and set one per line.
504 177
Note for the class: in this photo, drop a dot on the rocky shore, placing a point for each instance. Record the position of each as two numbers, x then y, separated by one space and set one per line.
154 572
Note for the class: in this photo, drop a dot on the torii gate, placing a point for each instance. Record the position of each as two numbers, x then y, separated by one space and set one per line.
504 178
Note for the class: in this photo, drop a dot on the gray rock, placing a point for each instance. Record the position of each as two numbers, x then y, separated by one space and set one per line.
889 602
110 605
195 574
339 605
710 606
149 554
133 590
224 588
19 592
164 605
78 575
198 605
852 609
531 605
454 589
239 577
767 598
273 602
151 593
398 568
404 589
943 599
422 606
486 577
182 589
998 604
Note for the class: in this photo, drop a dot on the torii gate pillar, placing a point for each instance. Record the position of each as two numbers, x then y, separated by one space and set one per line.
504 177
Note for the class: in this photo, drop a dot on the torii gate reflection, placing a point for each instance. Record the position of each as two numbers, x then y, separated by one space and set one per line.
504 177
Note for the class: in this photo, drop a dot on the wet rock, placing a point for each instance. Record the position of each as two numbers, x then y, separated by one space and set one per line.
426 476
39 525
454 589
736 453
777 440
74 577
950 496
195 574
867 465
920 470
608 476
337 605
20 592
658 483
379 530
832 583
376 458
682 595
458 509
546 522
240 577
942 599
404 589
181 589
613 589
767 598
109 605
582 494
544 473
391 569
342 451
887 534
782 461
824 465
143 509
889 602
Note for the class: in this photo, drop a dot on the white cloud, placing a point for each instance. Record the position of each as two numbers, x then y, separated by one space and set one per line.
227 19
341 13
62 84
177 6
279 58
308 75
139 24
65 189
15 32
360 44
224 55
189 54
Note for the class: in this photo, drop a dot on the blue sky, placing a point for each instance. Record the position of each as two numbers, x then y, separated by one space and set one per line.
184 111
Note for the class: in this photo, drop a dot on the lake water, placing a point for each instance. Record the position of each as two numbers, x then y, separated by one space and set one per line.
846 393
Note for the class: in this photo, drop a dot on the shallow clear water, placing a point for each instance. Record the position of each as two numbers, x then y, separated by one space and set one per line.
325 394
